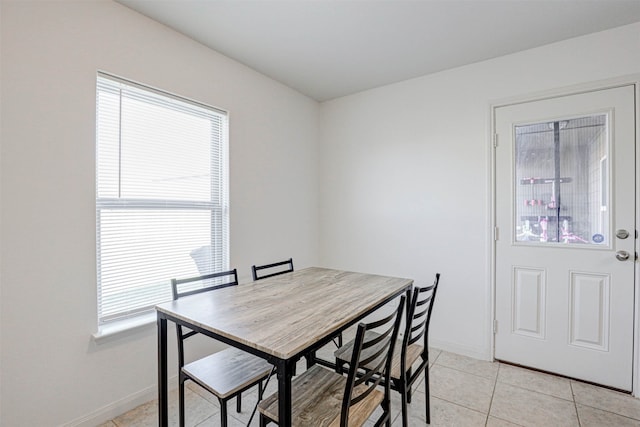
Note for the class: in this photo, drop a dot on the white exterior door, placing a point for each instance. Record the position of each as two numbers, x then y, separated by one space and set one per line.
565 235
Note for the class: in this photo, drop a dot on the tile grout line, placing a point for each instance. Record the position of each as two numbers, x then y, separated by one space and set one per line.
464 372
518 386
493 393
575 405
609 412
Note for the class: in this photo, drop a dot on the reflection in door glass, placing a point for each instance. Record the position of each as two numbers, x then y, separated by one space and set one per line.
562 181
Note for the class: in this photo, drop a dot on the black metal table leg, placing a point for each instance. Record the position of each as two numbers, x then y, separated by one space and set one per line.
285 372
163 403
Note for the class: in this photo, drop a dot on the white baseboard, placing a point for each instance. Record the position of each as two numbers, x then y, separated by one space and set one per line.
119 407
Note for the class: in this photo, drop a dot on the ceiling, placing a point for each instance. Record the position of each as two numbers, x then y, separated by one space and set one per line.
332 48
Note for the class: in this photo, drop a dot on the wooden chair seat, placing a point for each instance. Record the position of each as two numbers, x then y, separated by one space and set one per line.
414 351
228 372
317 399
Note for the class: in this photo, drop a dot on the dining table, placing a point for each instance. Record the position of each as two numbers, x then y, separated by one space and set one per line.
281 319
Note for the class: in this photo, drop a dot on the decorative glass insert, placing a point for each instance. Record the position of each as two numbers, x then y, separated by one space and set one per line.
562 181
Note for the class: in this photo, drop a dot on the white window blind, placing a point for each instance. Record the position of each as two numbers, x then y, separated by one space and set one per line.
161 195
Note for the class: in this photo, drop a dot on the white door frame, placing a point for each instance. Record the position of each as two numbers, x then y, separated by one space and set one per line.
633 79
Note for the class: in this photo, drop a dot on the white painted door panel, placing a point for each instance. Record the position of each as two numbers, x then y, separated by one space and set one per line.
565 182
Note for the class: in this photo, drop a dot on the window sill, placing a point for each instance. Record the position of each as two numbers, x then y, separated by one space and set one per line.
123 328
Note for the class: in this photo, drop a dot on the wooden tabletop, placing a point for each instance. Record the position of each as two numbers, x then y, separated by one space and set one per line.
286 314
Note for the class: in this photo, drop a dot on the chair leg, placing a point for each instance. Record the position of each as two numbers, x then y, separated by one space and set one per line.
339 343
409 388
405 399
387 423
223 412
426 393
181 401
239 402
311 359
263 421
386 407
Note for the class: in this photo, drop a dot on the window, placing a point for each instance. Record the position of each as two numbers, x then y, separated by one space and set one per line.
161 195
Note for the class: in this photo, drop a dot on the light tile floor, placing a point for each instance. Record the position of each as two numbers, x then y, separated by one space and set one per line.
464 392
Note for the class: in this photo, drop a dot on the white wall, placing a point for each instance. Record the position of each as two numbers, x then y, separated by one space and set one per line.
405 173
52 372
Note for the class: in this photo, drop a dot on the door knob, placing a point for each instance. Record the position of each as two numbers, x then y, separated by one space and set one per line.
622 255
622 234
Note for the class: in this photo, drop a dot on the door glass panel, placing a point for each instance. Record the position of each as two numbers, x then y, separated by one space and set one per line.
562 181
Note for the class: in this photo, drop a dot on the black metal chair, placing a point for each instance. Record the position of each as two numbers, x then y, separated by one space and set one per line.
322 397
414 346
270 270
227 373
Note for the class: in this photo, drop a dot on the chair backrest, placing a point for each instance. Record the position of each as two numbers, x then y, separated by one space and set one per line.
272 269
375 352
418 318
208 282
